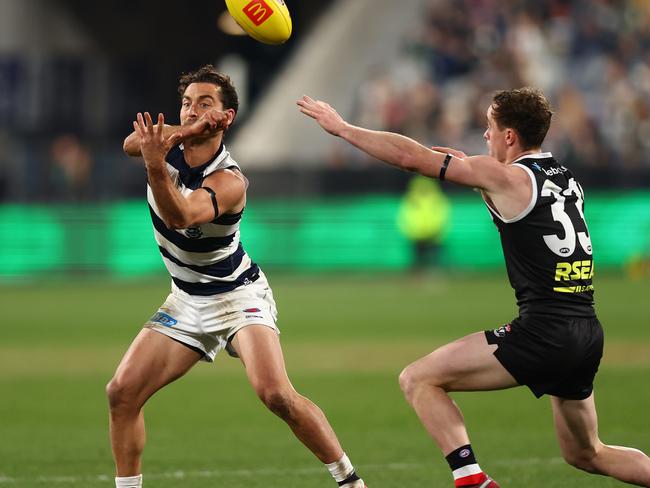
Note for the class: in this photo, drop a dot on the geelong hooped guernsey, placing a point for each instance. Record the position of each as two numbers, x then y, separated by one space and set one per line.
208 259
547 247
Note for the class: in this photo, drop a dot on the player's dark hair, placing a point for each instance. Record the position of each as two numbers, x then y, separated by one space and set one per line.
208 74
527 111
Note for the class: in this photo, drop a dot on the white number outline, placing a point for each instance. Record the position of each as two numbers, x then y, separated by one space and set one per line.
566 246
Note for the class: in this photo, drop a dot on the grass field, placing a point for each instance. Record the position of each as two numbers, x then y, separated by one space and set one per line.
346 338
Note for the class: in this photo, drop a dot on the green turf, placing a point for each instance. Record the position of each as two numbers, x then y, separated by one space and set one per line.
345 337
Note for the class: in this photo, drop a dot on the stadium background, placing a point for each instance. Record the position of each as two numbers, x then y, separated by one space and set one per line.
79 271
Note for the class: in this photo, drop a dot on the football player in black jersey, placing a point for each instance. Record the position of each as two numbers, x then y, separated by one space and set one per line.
555 344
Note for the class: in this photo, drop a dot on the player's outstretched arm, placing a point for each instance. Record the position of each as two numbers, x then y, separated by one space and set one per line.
402 152
210 123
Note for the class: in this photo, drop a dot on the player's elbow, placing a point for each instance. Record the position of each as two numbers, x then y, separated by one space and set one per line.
175 223
182 220
131 146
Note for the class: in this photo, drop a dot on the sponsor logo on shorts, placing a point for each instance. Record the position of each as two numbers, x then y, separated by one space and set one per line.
163 319
503 330
464 453
251 313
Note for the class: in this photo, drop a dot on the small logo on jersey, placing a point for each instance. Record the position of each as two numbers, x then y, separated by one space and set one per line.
193 232
537 166
555 171
502 331
163 319
464 453
565 250
252 310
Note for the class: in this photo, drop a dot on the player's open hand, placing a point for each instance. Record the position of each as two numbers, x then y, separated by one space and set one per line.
321 112
154 146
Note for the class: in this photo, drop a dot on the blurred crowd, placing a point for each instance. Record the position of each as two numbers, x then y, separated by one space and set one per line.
591 58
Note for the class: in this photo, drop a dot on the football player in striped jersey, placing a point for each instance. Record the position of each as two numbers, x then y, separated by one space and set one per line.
220 299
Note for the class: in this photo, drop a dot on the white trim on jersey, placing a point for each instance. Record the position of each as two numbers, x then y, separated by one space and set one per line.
533 199
539 155
222 156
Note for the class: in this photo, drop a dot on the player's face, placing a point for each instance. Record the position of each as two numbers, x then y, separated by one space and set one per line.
198 99
495 138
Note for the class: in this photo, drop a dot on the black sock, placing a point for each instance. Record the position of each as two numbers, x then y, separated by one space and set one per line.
466 471
462 456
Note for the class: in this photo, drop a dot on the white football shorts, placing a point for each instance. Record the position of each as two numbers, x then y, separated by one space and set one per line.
207 324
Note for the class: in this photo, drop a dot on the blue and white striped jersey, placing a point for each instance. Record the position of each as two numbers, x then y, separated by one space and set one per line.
208 259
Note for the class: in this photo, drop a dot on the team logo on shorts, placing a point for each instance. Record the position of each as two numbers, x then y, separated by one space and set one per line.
502 331
163 319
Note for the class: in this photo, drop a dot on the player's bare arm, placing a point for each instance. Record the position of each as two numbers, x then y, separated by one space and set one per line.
449 150
508 187
178 211
209 124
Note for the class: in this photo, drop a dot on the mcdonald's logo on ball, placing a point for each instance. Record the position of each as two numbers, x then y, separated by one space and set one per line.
267 21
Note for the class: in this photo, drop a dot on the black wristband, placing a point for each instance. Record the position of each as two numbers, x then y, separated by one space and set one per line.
445 165
214 200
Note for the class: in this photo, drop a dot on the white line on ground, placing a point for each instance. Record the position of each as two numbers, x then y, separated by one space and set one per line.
218 473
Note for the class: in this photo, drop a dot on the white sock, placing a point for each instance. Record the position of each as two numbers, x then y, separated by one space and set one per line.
129 482
341 469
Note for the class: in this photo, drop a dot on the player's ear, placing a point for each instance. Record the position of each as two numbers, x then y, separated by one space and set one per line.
231 116
511 137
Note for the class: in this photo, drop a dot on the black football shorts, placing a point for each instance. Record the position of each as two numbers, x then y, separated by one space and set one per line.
551 354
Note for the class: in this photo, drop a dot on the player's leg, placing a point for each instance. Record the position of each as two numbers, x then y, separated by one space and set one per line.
576 424
467 364
152 361
259 349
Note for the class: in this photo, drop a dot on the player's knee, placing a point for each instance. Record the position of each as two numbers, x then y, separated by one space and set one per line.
279 400
583 459
119 394
408 383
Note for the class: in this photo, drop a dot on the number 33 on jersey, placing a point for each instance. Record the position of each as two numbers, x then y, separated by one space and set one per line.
547 248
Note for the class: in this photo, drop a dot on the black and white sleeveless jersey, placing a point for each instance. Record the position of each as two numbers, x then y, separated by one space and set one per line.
208 259
547 247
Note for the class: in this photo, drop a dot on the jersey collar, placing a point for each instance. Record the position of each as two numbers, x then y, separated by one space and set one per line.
538 155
